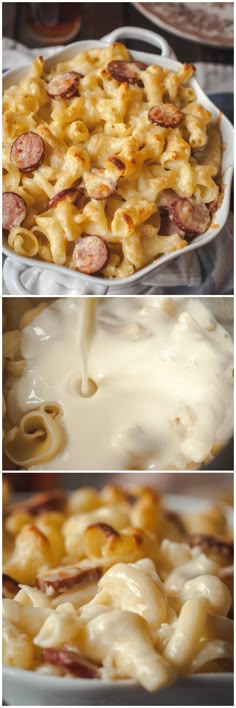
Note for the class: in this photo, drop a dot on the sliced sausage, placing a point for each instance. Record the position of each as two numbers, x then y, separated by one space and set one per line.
167 115
64 85
47 501
168 227
61 579
191 217
14 210
99 183
223 548
72 661
71 193
166 198
10 586
127 71
90 254
27 151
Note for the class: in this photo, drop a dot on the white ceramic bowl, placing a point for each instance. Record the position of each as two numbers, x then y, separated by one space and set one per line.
27 688
97 284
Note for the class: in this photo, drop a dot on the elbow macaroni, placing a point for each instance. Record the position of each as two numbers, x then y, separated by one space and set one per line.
39 436
105 133
136 621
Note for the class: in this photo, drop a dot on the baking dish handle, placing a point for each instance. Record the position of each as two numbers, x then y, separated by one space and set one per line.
12 272
142 35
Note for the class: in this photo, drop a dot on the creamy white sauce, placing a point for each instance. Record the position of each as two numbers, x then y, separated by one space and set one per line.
163 371
86 327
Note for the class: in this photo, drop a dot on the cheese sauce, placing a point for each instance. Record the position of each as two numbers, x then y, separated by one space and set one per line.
162 374
86 326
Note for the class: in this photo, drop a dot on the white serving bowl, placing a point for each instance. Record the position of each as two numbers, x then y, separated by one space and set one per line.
27 688
98 284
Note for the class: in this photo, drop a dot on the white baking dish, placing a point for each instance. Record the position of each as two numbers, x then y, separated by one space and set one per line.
98 284
27 688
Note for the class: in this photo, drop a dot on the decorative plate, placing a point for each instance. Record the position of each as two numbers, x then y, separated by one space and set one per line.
206 23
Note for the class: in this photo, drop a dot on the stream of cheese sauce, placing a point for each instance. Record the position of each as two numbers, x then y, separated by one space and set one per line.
162 372
86 328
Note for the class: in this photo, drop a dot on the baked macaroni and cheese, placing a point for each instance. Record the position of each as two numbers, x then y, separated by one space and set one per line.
145 383
108 162
110 585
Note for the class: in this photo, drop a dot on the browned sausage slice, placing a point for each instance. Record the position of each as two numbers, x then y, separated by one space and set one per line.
168 227
46 501
191 217
70 193
64 85
90 254
167 115
165 198
72 661
14 210
10 586
99 183
127 71
61 579
27 151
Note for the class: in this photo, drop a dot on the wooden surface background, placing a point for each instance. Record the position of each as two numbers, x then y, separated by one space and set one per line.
98 18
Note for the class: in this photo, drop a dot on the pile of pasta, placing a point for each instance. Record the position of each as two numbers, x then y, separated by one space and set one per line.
111 149
109 584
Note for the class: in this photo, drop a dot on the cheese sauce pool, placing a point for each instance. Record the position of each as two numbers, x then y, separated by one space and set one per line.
163 375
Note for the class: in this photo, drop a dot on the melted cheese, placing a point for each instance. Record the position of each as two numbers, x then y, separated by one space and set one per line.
163 372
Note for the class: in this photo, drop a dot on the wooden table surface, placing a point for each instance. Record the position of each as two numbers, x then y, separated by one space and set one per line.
97 19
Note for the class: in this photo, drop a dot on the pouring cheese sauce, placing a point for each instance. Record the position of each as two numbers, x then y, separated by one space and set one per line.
86 327
161 376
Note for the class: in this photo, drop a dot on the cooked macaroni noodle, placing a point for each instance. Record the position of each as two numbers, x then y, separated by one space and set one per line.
154 614
110 148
